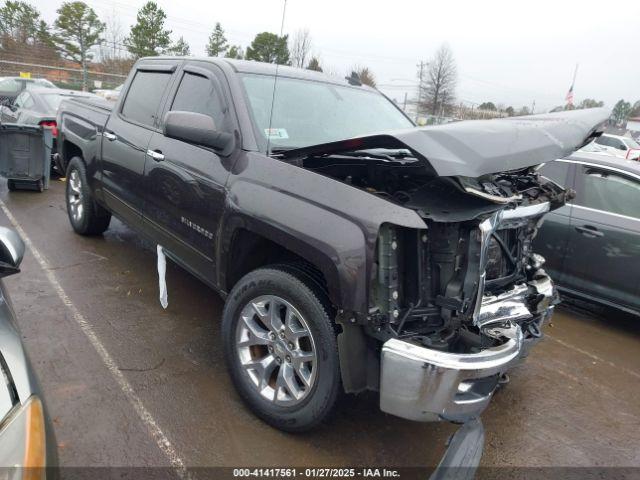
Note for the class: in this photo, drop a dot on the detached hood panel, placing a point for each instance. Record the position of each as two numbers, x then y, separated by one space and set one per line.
475 148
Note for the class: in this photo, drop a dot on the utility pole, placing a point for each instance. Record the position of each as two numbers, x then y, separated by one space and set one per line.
533 107
421 65
404 105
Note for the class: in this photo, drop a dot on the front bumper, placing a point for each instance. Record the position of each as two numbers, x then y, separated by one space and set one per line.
424 384
428 385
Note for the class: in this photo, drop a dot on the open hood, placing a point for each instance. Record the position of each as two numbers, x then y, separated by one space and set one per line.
475 148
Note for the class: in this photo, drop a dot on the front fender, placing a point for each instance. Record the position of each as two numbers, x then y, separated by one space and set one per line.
334 245
332 225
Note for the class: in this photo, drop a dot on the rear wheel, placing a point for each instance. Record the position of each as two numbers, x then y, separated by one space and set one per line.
280 347
85 215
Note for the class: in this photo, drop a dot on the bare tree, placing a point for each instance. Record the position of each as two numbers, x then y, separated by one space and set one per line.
300 49
113 46
437 87
366 75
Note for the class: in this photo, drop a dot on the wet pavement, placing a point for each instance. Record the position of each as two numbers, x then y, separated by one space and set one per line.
575 402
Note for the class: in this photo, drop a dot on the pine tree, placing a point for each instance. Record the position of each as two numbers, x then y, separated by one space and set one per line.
235 51
180 48
269 47
217 42
148 36
77 30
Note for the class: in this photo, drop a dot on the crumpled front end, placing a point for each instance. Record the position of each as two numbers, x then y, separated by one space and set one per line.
463 303
455 383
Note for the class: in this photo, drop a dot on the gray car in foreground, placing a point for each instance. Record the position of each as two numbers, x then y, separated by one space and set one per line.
27 442
592 244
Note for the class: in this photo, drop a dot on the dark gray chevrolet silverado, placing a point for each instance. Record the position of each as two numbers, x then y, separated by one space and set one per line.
354 250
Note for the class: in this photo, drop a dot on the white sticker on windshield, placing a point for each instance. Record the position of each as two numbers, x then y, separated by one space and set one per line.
276 133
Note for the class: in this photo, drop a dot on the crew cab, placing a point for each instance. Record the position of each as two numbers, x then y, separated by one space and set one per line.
354 250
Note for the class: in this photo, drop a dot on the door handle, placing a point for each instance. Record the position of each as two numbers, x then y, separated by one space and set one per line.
156 155
589 231
109 136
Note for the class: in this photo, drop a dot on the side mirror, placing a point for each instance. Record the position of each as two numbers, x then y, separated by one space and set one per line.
197 128
11 252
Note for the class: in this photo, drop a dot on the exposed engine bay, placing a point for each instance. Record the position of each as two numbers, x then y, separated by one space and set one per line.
452 305
436 285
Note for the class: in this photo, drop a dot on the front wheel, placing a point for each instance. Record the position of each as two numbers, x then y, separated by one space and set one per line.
85 215
280 347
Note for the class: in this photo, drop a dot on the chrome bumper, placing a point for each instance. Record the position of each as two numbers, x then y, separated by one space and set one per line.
423 384
427 385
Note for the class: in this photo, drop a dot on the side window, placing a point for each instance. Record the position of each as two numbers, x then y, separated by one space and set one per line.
198 94
556 171
609 191
602 140
20 100
144 96
28 101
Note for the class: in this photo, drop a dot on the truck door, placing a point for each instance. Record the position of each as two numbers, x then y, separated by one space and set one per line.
185 183
126 137
604 246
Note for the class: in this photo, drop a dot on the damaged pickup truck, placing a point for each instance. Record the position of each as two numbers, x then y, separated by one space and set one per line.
354 250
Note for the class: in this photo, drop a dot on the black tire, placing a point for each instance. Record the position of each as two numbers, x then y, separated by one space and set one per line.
11 185
297 289
93 219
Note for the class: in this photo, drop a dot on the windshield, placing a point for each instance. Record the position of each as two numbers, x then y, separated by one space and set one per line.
309 112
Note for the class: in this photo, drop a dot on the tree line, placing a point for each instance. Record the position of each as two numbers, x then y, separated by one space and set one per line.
78 35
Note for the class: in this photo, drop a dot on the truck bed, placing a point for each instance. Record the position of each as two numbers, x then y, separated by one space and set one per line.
81 121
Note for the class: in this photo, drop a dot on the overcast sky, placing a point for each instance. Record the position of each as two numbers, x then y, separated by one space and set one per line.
508 52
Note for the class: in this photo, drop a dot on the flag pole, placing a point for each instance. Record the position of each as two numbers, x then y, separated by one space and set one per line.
575 74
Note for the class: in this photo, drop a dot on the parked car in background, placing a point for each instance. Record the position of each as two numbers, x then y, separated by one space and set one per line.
39 107
27 440
111 95
592 243
617 146
10 87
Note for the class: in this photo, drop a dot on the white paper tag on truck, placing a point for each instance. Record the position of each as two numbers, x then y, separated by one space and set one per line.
162 281
276 133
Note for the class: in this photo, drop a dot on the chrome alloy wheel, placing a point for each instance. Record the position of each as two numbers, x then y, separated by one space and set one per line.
276 348
74 196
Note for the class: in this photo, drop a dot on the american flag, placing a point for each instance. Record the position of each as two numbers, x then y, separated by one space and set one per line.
569 97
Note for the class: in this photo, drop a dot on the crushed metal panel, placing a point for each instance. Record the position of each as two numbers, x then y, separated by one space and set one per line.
475 148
